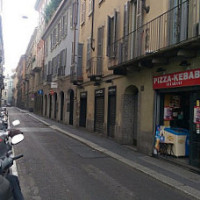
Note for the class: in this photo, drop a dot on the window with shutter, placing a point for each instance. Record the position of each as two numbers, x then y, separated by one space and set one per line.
83 12
51 38
126 19
59 33
109 35
54 37
45 71
49 71
58 61
66 24
46 46
75 14
90 7
79 62
88 53
174 22
100 1
112 35
132 27
100 50
63 57
139 28
73 54
71 17
63 26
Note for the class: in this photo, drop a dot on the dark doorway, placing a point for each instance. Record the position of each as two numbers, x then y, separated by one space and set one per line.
61 105
99 111
45 101
71 109
55 105
83 109
50 105
130 112
111 111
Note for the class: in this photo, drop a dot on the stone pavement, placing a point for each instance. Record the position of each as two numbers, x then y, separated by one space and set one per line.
173 175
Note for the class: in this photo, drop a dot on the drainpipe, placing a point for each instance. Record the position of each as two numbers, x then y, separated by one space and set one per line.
92 47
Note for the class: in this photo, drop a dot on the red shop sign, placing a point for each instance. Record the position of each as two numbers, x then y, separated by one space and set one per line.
179 79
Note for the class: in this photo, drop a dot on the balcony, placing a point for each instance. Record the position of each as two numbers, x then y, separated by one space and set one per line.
94 68
76 75
174 33
36 68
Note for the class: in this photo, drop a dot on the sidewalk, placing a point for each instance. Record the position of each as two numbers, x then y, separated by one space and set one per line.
173 175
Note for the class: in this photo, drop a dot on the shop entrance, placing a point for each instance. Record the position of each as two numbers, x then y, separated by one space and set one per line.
178 124
195 130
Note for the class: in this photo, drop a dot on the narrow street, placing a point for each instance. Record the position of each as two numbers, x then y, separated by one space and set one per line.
57 167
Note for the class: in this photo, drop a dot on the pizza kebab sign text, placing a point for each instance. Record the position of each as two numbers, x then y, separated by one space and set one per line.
179 79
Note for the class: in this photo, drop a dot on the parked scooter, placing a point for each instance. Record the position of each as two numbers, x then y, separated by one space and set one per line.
3 118
7 140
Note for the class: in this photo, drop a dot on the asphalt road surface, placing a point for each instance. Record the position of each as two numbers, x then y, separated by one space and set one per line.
56 167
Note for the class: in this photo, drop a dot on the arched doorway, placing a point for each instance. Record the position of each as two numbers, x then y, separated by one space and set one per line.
71 107
55 105
130 115
61 105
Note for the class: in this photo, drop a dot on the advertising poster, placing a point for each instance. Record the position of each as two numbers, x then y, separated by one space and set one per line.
197 114
168 113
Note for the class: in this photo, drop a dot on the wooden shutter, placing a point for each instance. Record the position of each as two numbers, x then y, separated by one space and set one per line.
114 46
126 18
184 21
139 29
100 50
173 21
88 52
64 57
109 20
83 12
79 62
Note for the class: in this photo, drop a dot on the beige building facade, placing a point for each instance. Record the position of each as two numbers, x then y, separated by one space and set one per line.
129 48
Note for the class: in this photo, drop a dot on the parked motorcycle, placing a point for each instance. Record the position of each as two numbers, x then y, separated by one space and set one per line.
9 138
3 118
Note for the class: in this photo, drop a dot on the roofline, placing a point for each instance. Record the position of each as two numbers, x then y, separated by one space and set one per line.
53 18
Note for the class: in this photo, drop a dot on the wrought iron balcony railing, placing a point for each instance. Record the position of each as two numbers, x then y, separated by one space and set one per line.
94 67
169 29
